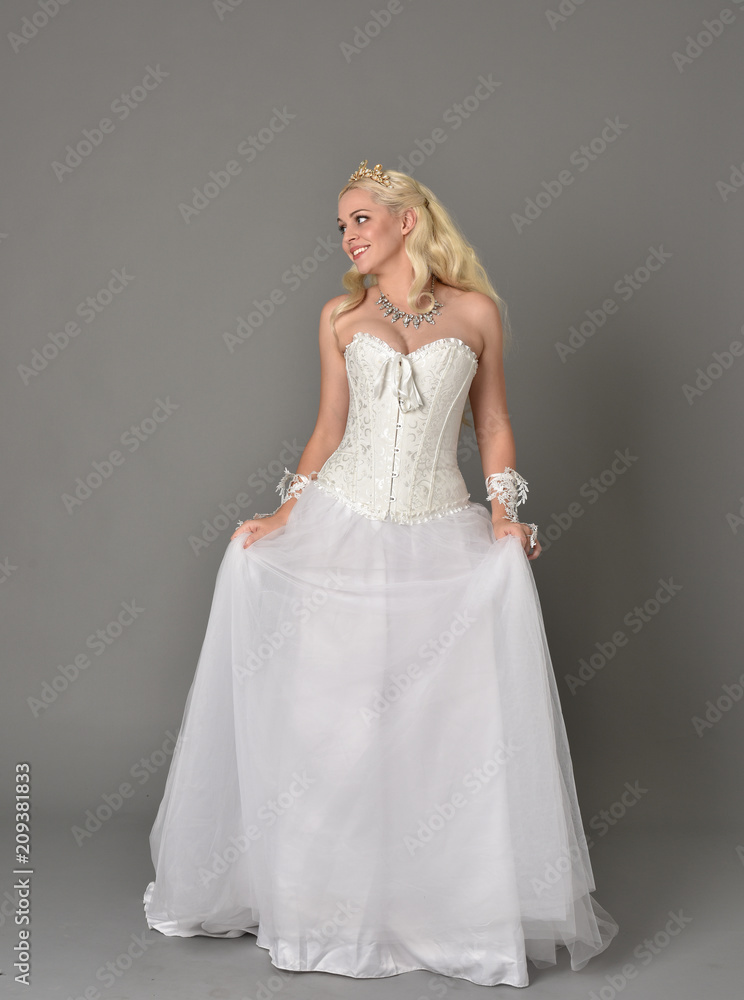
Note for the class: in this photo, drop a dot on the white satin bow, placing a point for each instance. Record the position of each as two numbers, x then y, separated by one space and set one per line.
402 383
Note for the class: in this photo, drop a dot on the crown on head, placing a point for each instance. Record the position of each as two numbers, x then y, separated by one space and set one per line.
376 175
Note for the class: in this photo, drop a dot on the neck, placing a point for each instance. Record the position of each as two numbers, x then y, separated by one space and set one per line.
396 284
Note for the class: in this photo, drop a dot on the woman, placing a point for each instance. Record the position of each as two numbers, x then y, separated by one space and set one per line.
372 774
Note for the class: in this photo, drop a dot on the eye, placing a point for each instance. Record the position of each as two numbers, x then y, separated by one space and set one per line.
357 218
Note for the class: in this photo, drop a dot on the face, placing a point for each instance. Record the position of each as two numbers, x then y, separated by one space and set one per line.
370 229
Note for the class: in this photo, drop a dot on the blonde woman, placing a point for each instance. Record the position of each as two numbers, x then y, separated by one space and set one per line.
373 774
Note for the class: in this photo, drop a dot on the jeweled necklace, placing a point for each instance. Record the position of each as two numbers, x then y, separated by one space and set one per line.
388 308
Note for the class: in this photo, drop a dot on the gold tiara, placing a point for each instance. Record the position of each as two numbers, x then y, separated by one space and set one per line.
376 175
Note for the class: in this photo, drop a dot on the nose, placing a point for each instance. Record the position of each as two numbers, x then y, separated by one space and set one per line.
350 237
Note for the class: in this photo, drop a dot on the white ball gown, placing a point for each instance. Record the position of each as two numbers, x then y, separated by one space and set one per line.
372 774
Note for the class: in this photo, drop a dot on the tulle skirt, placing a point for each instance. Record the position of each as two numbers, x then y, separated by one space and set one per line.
372 775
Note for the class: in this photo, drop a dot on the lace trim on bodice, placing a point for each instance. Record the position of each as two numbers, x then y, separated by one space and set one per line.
399 518
424 349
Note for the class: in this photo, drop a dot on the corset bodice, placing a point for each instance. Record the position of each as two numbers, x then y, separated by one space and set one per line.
397 459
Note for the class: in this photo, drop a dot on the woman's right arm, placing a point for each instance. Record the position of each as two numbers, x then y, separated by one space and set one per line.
329 426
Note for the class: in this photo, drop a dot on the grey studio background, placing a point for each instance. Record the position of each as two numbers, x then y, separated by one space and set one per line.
163 304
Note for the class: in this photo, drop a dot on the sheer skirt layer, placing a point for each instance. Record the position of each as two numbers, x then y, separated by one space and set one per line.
372 774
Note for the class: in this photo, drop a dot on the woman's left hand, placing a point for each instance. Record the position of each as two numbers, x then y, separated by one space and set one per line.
502 526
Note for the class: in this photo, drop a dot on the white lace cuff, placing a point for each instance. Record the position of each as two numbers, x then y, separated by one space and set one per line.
289 487
509 489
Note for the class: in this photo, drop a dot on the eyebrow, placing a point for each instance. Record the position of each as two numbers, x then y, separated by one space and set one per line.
353 213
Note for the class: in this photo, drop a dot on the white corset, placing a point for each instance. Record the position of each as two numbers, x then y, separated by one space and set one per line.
397 460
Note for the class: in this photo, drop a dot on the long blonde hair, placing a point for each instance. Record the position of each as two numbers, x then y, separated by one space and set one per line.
435 246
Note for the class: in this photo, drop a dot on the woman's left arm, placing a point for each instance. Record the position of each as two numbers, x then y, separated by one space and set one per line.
493 430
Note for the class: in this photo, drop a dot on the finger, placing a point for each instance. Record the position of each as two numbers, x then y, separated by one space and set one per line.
252 537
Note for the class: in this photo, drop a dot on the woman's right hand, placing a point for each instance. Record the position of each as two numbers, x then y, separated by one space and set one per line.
258 527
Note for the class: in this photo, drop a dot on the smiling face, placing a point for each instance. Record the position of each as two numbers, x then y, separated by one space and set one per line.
372 236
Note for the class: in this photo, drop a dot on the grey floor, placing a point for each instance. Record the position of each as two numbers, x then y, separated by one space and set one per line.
87 910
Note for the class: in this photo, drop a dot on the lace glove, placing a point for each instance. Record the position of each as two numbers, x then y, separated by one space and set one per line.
297 483
509 489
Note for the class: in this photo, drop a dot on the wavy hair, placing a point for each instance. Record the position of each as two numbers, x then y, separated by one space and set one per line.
435 246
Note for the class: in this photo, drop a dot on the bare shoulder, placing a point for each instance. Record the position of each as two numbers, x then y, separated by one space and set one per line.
327 335
481 315
332 303
481 309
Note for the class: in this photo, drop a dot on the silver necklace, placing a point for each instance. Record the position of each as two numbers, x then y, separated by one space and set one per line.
388 308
